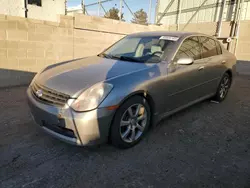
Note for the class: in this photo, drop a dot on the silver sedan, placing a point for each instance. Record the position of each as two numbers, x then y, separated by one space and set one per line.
119 94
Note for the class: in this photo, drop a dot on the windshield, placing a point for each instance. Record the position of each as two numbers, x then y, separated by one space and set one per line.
146 49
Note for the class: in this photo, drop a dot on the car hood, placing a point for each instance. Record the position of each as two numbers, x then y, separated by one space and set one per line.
74 76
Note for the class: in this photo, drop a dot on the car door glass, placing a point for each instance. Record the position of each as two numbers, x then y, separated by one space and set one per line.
208 47
189 48
219 50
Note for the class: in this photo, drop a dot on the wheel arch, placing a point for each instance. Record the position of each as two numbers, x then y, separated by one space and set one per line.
230 73
143 94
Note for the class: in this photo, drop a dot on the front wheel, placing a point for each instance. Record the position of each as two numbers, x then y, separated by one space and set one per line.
223 88
130 123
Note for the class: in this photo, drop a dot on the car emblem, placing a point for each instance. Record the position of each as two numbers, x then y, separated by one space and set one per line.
39 93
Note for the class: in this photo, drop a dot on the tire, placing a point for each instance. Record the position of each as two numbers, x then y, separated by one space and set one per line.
223 88
130 122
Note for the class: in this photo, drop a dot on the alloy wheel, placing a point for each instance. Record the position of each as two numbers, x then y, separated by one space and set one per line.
133 123
224 87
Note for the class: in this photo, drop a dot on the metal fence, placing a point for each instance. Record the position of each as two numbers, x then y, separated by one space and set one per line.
127 8
182 13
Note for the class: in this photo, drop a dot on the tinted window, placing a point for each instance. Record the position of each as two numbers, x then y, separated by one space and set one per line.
219 50
208 46
189 48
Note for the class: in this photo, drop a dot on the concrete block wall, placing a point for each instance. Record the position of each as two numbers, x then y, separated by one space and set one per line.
28 45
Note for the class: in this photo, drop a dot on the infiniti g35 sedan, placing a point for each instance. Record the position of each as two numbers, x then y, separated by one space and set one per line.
118 95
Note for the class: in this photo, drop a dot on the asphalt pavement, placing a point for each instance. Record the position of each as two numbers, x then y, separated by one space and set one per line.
206 145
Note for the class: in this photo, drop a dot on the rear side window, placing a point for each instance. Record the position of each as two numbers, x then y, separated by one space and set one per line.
189 48
219 50
209 47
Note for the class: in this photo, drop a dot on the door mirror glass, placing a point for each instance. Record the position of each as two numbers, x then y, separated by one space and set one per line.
185 61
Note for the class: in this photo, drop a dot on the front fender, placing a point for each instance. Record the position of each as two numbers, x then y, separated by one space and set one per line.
128 85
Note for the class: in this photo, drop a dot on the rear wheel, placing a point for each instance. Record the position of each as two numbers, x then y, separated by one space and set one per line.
130 123
223 88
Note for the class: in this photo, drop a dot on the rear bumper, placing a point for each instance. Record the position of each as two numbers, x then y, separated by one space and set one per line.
78 128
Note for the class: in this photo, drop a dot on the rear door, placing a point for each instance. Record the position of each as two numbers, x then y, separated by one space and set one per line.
213 62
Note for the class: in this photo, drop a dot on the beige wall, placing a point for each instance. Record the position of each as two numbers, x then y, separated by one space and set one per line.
28 45
12 7
243 46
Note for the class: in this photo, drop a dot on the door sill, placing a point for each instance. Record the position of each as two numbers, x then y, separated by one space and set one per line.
185 106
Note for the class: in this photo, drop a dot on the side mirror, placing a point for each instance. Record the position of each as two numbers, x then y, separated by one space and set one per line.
185 61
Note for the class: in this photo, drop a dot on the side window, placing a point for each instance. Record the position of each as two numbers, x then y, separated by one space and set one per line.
219 50
208 47
189 48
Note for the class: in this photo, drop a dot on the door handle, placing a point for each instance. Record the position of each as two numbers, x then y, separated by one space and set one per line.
201 68
223 62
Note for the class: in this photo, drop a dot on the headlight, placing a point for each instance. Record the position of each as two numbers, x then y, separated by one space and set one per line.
92 97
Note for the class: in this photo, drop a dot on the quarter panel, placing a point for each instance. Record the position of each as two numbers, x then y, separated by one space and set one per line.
214 68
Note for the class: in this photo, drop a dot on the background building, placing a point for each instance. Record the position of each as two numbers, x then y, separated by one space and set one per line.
37 9
207 11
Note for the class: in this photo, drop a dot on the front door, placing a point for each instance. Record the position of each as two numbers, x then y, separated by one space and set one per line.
184 83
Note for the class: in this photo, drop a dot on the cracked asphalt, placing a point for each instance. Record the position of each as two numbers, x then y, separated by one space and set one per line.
206 145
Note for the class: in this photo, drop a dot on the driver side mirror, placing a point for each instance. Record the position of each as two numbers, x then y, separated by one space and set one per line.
185 61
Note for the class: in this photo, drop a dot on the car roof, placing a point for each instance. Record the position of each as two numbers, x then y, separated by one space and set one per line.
165 33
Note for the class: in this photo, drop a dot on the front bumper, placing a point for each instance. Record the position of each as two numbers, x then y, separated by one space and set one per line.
78 128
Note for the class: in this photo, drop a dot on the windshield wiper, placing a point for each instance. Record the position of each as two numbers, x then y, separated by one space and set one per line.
126 58
108 56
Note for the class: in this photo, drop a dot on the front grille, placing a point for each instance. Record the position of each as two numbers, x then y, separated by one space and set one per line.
49 96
